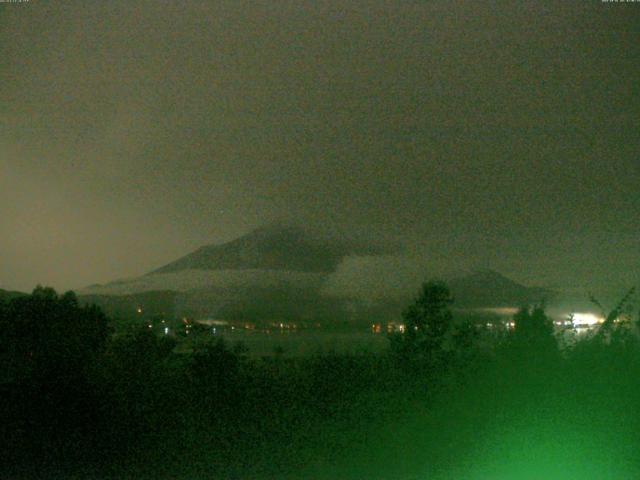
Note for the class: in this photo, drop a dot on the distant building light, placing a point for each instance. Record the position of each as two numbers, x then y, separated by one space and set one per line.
166 330
139 310
586 319
501 311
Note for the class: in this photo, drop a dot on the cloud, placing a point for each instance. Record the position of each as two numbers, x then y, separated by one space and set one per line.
375 277
148 129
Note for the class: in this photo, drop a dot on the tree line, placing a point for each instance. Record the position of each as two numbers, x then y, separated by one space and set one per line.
78 400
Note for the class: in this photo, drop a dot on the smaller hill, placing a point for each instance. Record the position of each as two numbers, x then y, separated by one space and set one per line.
487 288
155 303
6 295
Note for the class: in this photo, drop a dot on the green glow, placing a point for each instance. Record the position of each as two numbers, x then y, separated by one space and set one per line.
546 452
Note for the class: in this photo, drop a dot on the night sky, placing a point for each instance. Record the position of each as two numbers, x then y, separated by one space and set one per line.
502 134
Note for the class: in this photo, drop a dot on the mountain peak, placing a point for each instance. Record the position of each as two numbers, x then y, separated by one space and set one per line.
489 275
270 247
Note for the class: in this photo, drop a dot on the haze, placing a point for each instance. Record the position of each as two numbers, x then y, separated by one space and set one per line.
134 132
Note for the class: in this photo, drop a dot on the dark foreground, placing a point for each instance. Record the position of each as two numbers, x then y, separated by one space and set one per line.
78 402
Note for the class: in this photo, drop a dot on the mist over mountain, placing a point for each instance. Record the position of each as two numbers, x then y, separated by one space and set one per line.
272 272
274 247
288 273
270 256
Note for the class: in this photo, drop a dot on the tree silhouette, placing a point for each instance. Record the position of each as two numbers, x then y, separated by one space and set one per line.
47 336
533 332
428 321
49 345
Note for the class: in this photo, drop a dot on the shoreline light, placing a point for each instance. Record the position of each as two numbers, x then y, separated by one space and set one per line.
589 319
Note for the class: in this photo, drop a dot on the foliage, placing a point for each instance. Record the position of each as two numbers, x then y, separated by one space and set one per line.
49 336
133 406
49 346
533 329
428 323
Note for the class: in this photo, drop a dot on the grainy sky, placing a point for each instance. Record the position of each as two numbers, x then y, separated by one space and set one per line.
494 134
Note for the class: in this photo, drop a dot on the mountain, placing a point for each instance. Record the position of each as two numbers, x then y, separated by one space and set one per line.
274 271
487 288
155 303
275 247
282 272
6 295
268 257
